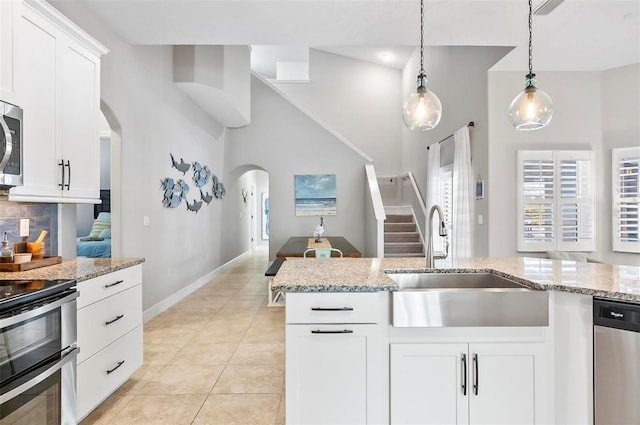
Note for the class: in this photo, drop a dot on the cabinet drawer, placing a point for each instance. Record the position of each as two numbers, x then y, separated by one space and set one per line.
96 383
334 307
95 289
101 323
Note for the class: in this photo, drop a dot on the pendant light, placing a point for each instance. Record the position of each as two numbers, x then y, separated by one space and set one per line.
532 109
423 109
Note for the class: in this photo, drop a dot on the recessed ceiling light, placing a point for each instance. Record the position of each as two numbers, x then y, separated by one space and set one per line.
386 56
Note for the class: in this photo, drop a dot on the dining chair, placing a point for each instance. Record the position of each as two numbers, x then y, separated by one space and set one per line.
322 252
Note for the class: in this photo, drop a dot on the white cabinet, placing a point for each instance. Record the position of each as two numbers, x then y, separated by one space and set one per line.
6 51
56 80
335 370
109 334
458 383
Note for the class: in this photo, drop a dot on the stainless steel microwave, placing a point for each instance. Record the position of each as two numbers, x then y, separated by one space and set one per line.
10 145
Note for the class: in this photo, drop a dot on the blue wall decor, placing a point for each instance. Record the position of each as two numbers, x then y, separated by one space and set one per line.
174 192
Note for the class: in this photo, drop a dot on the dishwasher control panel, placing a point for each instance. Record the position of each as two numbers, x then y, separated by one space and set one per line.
616 314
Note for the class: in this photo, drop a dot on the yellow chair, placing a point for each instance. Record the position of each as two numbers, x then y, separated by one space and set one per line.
322 252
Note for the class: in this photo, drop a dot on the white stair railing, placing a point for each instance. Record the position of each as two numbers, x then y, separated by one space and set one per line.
375 216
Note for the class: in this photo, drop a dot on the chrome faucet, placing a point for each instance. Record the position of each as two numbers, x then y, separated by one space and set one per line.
442 231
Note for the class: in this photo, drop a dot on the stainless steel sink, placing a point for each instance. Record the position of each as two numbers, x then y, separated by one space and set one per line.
466 299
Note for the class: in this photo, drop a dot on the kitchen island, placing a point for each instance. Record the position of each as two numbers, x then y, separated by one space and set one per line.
368 274
346 363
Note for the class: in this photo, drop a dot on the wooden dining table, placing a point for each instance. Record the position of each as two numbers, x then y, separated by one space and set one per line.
297 245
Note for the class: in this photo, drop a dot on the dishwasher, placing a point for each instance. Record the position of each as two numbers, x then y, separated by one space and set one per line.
616 350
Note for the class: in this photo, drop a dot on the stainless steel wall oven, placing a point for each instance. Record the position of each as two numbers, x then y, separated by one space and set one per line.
38 349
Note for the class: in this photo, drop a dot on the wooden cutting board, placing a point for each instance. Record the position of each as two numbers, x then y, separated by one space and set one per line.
33 264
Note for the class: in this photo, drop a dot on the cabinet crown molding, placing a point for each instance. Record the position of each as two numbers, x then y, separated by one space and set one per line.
68 26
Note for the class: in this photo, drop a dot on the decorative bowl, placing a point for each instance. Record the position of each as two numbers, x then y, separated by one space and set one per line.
22 258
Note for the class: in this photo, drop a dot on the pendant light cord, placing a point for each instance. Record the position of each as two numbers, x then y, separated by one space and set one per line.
422 37
530 38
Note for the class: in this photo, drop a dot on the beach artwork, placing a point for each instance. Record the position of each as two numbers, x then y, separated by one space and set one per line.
315 194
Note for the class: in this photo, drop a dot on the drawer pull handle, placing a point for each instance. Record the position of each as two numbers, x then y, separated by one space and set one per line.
332 309
476 383
118 317
118 282
120 363
464 374
344 331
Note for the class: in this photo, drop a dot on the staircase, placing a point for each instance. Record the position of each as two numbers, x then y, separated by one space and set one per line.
401 237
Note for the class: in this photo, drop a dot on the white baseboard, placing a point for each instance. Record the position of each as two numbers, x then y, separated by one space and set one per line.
171 300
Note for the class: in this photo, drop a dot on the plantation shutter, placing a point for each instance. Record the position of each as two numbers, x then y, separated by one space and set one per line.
626 199
556 202
576 207
535 201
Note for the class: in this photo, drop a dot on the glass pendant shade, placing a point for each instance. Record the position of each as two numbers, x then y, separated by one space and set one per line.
422 110
531 109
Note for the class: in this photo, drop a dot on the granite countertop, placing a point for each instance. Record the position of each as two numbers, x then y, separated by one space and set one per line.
368 274
78 268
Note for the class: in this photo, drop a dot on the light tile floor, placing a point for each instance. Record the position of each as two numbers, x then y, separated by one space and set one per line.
216 357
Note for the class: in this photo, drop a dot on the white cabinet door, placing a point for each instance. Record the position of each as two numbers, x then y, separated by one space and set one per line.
80 98
429 383
326 376
6 51
36 90
491 383
503 384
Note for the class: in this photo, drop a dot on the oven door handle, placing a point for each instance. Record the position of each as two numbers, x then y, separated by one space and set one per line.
69 356
8 143
12 320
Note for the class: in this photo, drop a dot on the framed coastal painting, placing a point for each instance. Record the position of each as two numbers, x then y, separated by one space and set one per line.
315 194
265 215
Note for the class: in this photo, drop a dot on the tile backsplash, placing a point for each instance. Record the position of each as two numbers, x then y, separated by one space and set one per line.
41 217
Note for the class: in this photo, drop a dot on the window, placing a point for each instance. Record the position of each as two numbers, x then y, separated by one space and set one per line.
626 199
556 201
446 202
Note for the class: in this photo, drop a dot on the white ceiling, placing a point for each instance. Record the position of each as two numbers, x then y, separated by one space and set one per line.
582 35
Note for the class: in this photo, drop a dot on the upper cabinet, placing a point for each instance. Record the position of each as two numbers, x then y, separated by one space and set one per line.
6 51
56 80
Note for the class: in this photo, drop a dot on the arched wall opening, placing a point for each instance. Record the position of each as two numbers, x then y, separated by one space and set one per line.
246 216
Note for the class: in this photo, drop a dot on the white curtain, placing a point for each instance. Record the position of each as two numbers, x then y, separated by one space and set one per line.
433 176
433 190
461 229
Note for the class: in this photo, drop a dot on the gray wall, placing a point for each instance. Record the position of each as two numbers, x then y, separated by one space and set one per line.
360 100
458 75
155 119
283 141
592 110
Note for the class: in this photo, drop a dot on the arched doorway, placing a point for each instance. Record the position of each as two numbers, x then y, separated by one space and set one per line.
110 183
247 211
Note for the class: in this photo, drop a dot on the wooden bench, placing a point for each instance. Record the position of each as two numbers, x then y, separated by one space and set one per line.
270 273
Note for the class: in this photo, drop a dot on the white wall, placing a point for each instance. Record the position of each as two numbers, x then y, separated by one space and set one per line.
458 75
620 129
283 141
156 119
592 110
360 100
